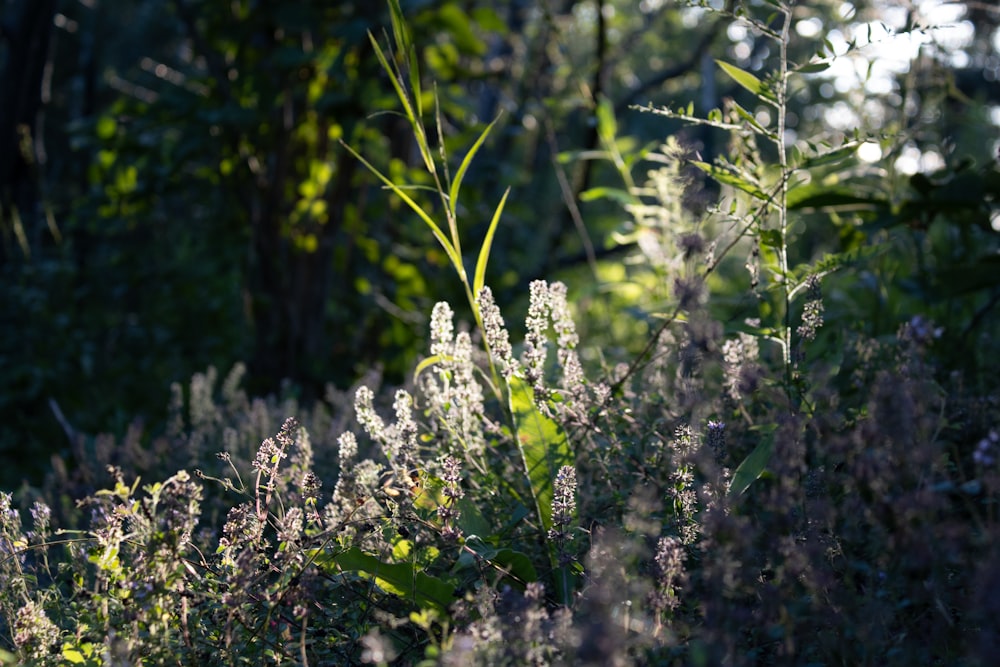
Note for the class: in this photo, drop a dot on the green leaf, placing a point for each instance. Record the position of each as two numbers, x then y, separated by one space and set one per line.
619 195
839 154
607 125
73 656
470 520
746 79
518 564
479 279
462 168
770 238
729 178
407 50
748 117
402 579
543 444
425 364
752 467
415 116
813 68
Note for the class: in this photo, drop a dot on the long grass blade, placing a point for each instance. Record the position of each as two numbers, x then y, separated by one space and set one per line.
479 278
466 161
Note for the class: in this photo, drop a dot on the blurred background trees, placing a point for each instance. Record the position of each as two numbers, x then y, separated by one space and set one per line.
174 194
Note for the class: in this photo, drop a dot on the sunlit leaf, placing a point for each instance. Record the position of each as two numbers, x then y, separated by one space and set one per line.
405 580
615 194
543 444
839 154
729 178
456 184
746 79
479 278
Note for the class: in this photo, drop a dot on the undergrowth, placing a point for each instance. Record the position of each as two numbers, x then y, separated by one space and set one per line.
734 494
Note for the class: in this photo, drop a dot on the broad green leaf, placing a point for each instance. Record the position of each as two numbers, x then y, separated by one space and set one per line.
746 79
479 279
460 174
402 579
543 444
752 467
73 656
729 178
518 564
470 520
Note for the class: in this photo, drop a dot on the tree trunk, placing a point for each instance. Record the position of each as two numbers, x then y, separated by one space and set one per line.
27 33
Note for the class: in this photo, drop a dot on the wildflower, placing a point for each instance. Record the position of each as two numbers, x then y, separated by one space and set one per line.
669 572
495 332
290 526
35 633
348 448
451 475
310 486
739 357
367 417
41 517
536 325
812 312
562 319
267 455
242 526
567 340
689 291
442 329
563 503
691 244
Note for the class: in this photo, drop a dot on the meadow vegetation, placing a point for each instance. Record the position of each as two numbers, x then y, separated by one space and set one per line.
758 481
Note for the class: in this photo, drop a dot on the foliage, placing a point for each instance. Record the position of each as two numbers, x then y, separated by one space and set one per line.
792 465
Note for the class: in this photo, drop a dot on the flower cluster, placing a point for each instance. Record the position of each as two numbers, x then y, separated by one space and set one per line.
452 392
563 510
669 573
495 332
451 475
739 357
812 312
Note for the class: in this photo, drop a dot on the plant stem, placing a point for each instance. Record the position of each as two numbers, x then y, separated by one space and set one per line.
782 103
